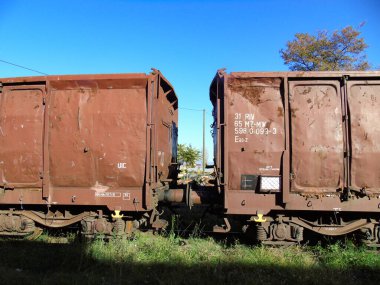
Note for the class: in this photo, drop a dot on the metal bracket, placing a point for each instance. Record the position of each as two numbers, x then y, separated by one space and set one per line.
222 71
188 200
222 229
154 71
345 78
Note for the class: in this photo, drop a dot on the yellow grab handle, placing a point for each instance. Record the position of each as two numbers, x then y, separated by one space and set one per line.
117 215
259 219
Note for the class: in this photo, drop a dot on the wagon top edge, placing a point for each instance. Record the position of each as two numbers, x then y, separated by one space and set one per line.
68 77
298 74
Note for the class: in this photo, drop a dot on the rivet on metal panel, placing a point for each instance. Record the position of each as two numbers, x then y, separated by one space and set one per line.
73 198
378 206
309 204
86 149
117 215
260 219
243 203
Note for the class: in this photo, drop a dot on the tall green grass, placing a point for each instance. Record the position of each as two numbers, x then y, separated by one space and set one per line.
152 259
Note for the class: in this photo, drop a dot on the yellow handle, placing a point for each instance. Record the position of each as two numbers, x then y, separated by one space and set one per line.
260 219
117 215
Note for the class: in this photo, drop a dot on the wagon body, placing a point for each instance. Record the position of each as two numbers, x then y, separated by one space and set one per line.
297 141
87 140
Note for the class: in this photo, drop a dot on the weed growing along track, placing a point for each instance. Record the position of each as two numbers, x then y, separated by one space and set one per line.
151 259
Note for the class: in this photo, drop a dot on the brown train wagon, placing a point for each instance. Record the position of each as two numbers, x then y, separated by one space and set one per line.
299 150
80 147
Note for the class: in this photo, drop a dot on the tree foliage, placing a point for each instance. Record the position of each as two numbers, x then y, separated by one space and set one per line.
188 154
340 50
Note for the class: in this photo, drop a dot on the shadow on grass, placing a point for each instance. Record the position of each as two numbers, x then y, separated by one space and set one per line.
27 262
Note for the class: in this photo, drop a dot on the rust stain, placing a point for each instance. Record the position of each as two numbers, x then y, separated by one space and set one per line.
293 112
306 90
252 94
253 89
280 112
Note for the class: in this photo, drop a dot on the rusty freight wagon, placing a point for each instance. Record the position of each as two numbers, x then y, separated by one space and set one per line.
85 148
299 150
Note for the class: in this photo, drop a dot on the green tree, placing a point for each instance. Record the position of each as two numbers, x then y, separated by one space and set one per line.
188 154
340 50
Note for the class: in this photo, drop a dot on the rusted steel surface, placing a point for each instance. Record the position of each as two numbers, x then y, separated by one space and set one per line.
316 136
297 140
255 108
96 134
21 128
365 134
86 139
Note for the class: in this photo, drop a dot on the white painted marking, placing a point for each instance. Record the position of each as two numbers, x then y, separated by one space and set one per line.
245 124
240 140
126 196
99 187
108 194
122 165
269 168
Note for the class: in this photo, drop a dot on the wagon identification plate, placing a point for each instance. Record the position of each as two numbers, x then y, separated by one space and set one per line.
125 195
108 194
245 125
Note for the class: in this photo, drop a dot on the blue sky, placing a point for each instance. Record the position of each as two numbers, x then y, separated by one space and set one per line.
187 40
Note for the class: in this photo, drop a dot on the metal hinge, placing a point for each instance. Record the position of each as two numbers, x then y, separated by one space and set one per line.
292 176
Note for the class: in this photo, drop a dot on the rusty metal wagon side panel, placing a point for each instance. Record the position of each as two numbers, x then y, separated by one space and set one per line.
297 141
95 140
